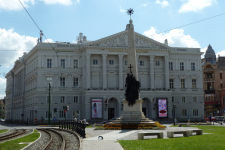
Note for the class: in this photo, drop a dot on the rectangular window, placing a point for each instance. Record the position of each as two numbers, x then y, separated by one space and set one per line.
183 99
220 75
62 114
193 83
194 99
75 82
141 63
62 82
157 63
111 62
171 83
75 63
62 99
183 112
182 81
172 99
63 63
170 65
209 75
125 62
195 112
49 63
95 61
192 66
75 99
224 101
181 66
46 114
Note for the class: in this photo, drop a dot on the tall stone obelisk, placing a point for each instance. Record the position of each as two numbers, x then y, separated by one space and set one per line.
132 113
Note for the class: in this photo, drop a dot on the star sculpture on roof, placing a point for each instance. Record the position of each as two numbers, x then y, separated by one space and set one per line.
130 11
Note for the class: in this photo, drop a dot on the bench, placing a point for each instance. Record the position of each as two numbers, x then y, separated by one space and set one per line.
170 134
182 124
142 134
197 131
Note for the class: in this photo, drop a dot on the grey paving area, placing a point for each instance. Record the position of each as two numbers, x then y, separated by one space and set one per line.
101 145
90 132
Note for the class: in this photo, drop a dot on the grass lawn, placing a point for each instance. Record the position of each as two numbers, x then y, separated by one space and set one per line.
92 127
201 142
14 144
2 131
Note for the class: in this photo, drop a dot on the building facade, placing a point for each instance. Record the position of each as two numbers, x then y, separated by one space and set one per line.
2 108
87 70
214 80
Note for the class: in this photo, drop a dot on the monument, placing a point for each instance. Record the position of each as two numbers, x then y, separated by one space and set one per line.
132 104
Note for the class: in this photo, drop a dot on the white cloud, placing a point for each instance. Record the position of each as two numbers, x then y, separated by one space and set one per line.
176 38
203 50
15 4
2 82
144 5
163 3
10 40
121 10
196 5
221 53
48 40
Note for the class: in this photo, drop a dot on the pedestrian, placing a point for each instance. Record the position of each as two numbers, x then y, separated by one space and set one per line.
84 120
202 118
42 120
27 121
188 119
75 119
210 118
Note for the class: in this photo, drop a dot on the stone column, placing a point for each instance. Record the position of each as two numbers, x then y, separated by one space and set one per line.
88 74
187 65
176 65
69 62
166 60
152 74
42 61
120 71
56 61
104 74
138 63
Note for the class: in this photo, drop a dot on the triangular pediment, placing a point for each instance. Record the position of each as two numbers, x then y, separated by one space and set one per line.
120 40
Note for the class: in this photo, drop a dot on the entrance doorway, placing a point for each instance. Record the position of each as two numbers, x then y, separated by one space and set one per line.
144 111
111 113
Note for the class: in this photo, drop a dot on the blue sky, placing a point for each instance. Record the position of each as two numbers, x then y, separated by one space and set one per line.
62 20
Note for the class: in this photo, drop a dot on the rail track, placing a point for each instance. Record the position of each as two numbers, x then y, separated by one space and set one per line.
13 135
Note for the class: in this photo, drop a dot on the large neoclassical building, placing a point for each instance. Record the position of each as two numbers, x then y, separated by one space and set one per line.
95 71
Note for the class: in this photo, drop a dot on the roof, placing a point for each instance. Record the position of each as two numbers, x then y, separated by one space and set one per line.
221 63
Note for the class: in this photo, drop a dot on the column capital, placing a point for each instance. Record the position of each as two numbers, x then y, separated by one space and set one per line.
166 57
151 56
88 55
104 55
120 56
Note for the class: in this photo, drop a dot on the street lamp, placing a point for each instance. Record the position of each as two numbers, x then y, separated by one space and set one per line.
49 98
174 106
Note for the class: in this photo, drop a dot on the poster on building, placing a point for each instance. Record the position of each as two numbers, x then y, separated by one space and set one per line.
162 108
96 108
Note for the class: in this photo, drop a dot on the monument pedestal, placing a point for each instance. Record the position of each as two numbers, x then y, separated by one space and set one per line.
133 114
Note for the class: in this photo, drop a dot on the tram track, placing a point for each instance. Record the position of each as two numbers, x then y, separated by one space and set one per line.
13 135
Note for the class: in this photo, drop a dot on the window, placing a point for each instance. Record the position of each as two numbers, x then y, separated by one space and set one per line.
95 61
62 114
209 75
62 99
171 83
183 99
195 112
46 114
182 83
181 66
170 65
194 99
157 63
192 66
172 99
125 62
49 63
183 112
63 63
75 82
75 63
193 83
62 82
75 99
111 62
224 101
220 75
141 63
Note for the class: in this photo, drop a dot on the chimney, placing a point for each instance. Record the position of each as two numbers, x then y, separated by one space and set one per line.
166 42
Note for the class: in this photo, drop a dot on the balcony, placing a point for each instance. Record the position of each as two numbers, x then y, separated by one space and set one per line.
209 91
208 79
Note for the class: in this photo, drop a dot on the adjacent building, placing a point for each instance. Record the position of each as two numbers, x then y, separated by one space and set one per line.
2 108
86 71
214 80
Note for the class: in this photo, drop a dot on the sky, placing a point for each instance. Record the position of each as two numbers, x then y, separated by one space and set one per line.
63 20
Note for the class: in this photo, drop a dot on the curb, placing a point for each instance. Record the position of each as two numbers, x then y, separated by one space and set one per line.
32 142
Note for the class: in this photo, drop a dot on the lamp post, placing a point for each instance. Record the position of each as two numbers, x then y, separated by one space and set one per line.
22 118
49 100
174 106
